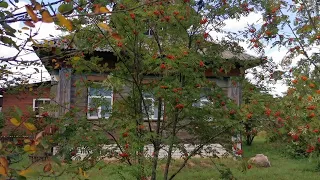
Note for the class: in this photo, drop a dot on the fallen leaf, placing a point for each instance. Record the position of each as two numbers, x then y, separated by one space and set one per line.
83 173
47 167
31 13
25 28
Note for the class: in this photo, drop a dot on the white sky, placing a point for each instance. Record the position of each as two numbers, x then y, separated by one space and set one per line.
45 30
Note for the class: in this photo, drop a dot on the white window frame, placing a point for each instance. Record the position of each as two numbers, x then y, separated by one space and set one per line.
154 116
98 108
34 104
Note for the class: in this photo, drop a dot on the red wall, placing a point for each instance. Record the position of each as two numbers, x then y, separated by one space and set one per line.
24 101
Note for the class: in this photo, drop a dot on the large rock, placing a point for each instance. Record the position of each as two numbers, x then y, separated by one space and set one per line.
260 160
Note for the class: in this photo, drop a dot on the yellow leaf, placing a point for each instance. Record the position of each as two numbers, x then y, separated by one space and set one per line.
3 171
76 58
29 23
25 28
30 89
25 172
80 171
56 66
105 27
15 122
37 6
83 173
29 149
64 22
103 10
4 162
30 126
26 141
46 17
31 13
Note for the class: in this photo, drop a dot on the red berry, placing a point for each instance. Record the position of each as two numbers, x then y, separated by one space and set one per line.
295 137
119 44
232 112
201 64
176 13
203 21
239 152
122 6
167 18
252 30
73 153
162 66
179 106
157 13
132 15
45 114
170 56
126 134
249 166
124 154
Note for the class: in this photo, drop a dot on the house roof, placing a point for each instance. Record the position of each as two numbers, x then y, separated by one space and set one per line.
242 59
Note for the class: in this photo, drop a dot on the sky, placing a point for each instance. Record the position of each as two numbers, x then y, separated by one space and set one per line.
45 30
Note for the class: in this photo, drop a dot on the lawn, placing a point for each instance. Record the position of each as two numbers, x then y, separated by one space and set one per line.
283 168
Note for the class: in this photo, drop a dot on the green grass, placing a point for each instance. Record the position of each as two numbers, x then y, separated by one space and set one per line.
283 168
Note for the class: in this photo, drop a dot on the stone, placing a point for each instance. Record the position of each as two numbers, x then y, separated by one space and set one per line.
260 160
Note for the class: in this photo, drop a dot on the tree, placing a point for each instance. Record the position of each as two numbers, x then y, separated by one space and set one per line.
178 51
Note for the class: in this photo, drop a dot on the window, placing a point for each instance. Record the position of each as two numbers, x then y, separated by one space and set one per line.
202 102
151 107
39 105
99 102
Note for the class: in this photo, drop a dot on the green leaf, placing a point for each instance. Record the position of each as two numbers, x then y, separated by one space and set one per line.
18 110
56 160
21 178
3 4
6 40
65 8
8 28
44 143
